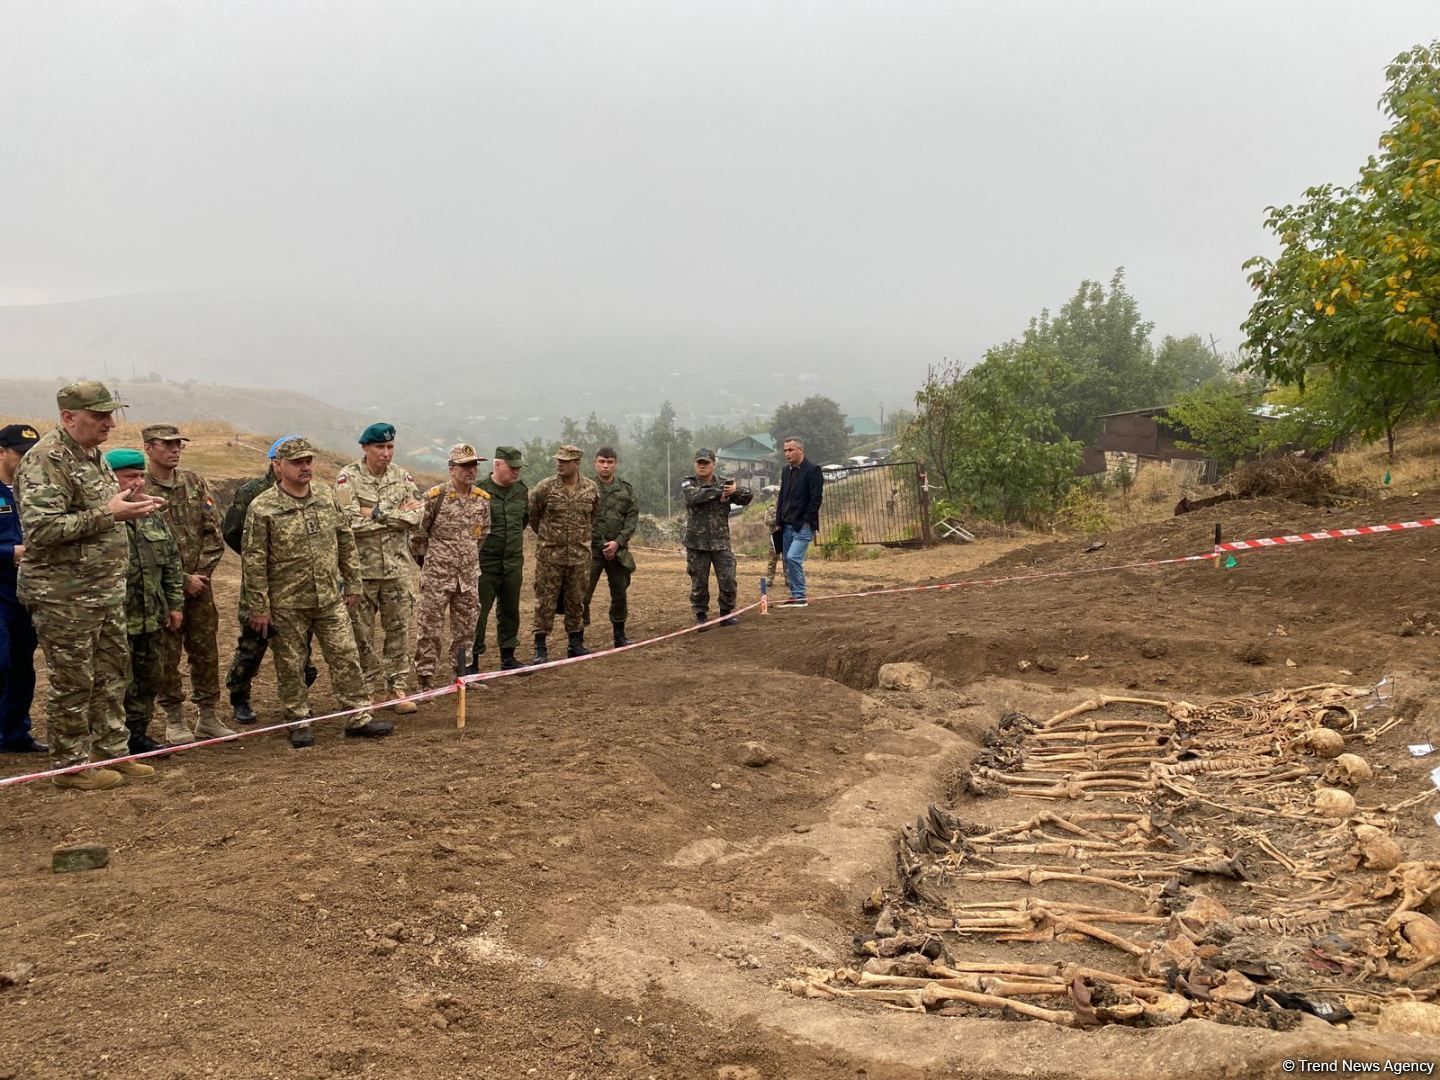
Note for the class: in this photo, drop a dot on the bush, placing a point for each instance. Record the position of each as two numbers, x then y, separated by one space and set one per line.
1083 510
843 545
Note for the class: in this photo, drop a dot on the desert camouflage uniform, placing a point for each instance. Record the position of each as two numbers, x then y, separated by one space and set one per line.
457 526
707 541
295 554
73 581
563 519
154 587
195 526
385 566
616 517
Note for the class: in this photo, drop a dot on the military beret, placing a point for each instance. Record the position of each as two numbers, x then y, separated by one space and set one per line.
704 454
18 437
124 458
92 396
510 455
163 432
377 433
568 453
281 441
295 447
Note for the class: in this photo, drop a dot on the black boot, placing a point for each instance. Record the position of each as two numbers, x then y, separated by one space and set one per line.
620 638
143 744
542 655
577 644
472 668
508 659
726 619
702 617
244 714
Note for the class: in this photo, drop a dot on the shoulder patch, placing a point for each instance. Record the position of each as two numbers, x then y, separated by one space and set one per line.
341 479
687 482
435 491
480 493
409 479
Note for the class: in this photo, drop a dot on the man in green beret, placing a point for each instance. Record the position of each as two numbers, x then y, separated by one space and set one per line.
195 525
154 602
73 576
301 571
384 505
502 556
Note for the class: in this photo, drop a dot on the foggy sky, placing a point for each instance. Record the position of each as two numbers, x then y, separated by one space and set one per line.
914 180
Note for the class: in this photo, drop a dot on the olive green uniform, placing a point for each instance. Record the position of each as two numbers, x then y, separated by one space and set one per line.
502 562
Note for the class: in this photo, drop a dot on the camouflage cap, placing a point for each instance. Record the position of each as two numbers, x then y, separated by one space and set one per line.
463 453
91 396
704 454
510 455
568 453
163 432
293 448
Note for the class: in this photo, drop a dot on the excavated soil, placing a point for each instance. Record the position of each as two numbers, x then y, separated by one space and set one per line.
589 881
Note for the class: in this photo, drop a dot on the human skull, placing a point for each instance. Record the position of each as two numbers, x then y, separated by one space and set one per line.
1375 849
1333 803
1347 770
1323 742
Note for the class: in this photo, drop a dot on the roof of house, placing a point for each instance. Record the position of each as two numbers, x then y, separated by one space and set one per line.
864 425
757 446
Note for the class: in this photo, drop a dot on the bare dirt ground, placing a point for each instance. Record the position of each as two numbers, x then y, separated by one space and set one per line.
588 881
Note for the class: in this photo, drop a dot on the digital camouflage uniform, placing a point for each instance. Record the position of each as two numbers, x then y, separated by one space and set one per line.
296 552
195 525
154 587
772 515
616 516
502 561
385 566
73 581
707 541
250 649
563 519
453 526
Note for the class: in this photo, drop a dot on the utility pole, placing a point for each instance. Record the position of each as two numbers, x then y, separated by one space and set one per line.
669 510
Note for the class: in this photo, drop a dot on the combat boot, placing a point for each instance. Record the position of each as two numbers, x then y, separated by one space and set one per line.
129 768
89 780
701 618
209 725
620 639
244 714
577 644
404 708
143 744
726 619
542 655
508 660
177 731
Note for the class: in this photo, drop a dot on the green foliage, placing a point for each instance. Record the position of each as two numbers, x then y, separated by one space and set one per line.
1219 419
591 435
1320 413
1083 510
1123 478
1354 292
843 543
819 422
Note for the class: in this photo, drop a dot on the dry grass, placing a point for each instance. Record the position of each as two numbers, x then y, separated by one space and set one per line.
1416 466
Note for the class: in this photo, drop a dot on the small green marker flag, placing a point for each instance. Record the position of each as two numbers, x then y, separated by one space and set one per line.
1386 481
1231 563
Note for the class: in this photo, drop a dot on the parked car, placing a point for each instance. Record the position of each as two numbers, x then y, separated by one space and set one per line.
833 472
860 461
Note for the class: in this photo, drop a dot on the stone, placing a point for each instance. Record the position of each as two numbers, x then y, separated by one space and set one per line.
1153 650
755 755
1409 1018
68 860
16 974
905 676
1047 664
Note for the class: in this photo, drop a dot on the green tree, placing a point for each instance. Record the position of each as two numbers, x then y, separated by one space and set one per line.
589 436
1182 364
819 422
1354 290
1220 420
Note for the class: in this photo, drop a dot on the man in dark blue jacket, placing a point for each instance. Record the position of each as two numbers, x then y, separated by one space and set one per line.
17 633
798 518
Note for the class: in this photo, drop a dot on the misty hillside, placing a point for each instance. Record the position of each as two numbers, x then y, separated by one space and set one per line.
454 370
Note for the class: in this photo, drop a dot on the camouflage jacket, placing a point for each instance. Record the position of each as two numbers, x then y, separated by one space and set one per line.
296 551
193 520
615 519
452 529
564 519
384 540
509 514
75 550
233 527
155 584
707 513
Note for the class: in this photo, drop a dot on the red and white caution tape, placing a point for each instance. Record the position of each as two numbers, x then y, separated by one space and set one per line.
1328 534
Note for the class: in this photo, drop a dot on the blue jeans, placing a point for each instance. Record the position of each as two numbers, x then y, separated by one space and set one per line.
793 545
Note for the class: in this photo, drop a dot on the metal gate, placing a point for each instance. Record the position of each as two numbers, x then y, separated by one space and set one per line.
879 504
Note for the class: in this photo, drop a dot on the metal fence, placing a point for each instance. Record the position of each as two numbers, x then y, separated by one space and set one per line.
878 504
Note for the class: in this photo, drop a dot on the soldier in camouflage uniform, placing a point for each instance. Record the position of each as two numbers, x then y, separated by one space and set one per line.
708 499
616 517
73 581
154 602
190 513
502 557
385 506
298 546
772 516
562 513
453 524
251 648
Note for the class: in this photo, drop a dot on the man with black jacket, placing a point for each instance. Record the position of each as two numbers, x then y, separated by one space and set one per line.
798 518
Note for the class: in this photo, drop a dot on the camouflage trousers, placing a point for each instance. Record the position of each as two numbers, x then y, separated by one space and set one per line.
87 661
198 634
147 672
697 565
290 640
464 607
245 665
551 582
618 578
393 602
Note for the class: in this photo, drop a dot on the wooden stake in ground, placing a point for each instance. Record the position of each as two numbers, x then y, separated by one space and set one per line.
460 704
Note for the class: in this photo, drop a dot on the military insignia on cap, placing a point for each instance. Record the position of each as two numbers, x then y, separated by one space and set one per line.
29 433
